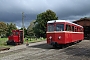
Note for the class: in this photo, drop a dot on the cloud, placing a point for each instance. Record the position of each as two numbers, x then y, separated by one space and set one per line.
18 27
73 8
11 10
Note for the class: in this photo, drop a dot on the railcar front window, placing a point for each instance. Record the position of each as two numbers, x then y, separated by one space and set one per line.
50 28
16 33
13 33
60 27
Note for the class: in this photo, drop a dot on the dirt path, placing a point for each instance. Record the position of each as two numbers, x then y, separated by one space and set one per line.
43 51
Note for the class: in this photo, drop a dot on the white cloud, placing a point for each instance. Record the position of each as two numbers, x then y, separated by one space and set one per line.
18 27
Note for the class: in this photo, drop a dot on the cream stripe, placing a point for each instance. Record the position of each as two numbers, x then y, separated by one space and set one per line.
64 32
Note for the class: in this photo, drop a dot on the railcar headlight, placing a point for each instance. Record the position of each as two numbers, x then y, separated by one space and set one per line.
59 37
50 37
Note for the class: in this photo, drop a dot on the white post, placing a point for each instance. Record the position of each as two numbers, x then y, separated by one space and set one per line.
23 24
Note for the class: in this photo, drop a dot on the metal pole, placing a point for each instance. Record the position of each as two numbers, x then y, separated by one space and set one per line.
23 24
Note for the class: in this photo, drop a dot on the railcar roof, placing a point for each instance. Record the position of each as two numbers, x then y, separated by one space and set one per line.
52 21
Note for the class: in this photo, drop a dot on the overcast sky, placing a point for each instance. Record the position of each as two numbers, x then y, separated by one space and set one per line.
11 10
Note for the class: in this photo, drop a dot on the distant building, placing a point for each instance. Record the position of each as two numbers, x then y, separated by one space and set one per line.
85 22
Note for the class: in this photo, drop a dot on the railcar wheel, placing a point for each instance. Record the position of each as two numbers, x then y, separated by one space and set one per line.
80 40
56 45
11 42
8 42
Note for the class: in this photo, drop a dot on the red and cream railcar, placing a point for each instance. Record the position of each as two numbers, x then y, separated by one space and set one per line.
61 32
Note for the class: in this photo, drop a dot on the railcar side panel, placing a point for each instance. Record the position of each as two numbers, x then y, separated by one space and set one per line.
68 37
64 37
77 36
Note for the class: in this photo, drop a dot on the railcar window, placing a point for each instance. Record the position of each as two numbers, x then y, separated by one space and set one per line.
59 27
68 28
81 29
50 28
72 28
16 33
13 33
75 29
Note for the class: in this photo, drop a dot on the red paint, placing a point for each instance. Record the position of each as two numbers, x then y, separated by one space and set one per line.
64 37
17 36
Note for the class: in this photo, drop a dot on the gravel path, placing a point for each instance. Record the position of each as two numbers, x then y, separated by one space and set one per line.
43 51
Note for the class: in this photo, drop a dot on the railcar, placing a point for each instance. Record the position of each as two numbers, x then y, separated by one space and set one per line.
61 32
16 38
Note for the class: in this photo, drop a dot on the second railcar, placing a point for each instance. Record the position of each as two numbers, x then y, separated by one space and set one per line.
61 32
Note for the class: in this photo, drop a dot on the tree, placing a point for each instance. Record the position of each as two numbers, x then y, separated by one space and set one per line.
41 22
30 28
3 29
25 31
10 27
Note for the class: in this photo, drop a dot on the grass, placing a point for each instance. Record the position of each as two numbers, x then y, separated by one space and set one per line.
3 42
32 40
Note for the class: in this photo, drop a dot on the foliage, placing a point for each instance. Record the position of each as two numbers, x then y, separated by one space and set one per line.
30 29
10 27
3 29
25 31
41 22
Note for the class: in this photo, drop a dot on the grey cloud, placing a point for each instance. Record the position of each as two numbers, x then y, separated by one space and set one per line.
74 8
11 10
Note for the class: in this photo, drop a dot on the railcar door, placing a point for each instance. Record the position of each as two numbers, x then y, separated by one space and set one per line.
21 37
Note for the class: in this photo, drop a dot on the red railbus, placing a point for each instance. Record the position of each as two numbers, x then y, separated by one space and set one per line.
61 32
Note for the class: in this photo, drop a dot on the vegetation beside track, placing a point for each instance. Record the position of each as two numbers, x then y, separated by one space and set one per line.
30 40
